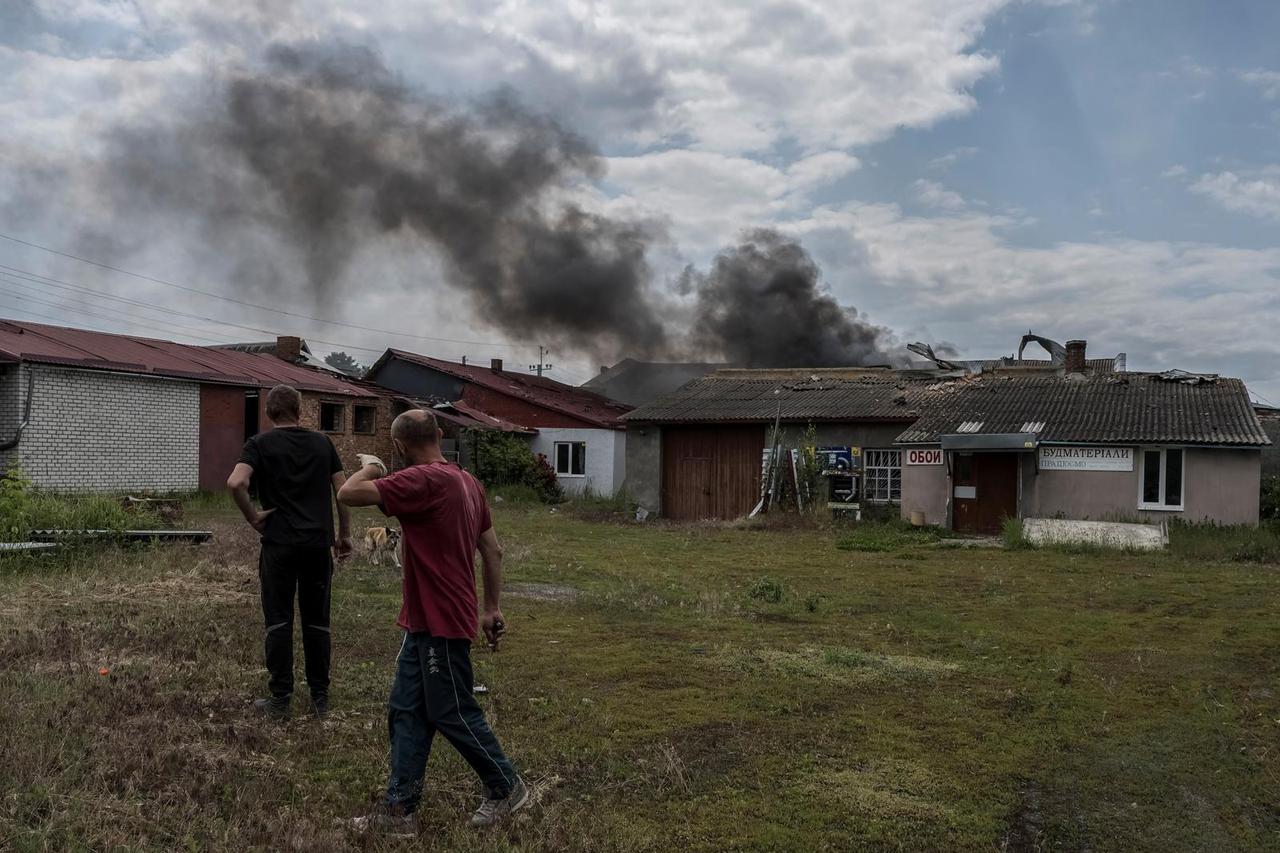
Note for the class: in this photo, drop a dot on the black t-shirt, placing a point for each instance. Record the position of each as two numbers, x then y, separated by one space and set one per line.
292 473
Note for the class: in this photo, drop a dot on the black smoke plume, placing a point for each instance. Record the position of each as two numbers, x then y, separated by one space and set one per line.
760 306
322 149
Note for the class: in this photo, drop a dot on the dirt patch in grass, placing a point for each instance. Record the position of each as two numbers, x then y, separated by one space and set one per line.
541 591
831 664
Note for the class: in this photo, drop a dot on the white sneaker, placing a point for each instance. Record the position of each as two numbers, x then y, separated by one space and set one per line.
493 810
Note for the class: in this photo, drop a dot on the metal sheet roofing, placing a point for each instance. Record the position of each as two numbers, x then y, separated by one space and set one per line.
809 394
58 345
1118 408
539 390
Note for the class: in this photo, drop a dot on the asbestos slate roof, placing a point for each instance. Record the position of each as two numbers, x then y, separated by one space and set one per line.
1118 408
809 394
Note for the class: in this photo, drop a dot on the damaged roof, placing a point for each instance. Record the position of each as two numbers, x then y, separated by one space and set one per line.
82 348
1174 407
808 394
637 382
539 390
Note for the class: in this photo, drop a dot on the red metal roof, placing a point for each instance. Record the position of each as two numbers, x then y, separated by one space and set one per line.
36 342
539 390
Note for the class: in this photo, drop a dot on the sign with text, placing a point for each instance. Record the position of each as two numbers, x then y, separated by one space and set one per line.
926 456
1086 458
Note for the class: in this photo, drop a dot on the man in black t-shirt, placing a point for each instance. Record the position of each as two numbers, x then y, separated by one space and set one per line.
296 473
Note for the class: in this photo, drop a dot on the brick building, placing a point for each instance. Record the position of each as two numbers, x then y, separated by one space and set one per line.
91 411
578 431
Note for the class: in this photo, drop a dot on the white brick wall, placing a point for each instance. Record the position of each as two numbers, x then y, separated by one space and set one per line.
605 457
94 431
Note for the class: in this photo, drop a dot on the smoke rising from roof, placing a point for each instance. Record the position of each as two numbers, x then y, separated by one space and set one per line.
321 149
760 306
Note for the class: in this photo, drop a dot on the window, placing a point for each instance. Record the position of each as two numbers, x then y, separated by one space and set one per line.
884 475
364 419
331 417
571 458
1162 481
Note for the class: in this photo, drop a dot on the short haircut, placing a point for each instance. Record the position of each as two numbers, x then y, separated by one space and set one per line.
284 403
416 428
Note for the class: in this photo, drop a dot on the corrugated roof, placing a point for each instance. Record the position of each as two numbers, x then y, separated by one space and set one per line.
539 390
809 394
1119 408
470 417
36 342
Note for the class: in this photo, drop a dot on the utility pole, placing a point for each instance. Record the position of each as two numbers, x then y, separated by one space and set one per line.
540 366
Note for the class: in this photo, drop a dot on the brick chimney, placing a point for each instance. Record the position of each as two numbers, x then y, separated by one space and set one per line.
495 364
289 348
1075 357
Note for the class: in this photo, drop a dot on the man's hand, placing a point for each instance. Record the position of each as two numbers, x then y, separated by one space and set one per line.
343 547
494 627
259 520
371 465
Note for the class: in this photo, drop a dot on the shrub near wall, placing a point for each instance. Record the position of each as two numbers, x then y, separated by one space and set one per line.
1269 506
24 509
503 459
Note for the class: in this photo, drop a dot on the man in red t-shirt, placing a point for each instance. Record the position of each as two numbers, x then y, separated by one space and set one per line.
443 519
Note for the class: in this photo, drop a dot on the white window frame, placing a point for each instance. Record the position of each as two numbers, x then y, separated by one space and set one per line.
555 458
1161 506
870 455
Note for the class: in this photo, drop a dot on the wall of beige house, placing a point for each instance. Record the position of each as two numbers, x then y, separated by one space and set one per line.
924 489
1220 486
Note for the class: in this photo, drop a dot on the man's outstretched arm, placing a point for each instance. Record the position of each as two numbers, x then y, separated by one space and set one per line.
491 556
359 489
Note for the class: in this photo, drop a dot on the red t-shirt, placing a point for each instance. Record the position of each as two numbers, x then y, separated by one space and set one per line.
442 512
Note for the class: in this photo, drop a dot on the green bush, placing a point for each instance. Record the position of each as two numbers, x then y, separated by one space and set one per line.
884 536
767 589
1241 543
1270 503
23 509
1012 533
503 459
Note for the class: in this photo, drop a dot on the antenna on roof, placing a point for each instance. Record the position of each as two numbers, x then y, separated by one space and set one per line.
539 367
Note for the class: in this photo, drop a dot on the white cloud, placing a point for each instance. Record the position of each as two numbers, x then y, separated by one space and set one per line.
1267 82
708 198
946 161
935 195
1191 305
1177 170
1258 195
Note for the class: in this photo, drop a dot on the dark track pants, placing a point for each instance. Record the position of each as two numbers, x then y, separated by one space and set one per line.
285 570
432 693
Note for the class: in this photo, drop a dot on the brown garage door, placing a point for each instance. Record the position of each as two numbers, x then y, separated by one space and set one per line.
710 472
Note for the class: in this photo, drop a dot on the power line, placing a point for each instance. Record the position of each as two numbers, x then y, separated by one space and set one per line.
22 297
190 331
64 285
254 305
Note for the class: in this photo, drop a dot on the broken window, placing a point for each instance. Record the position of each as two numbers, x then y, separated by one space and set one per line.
884 475
331 417
1162 481
364 419
571 458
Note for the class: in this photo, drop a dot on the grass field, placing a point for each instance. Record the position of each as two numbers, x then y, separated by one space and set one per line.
669 687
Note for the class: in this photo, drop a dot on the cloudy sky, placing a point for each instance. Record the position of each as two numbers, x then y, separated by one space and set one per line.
961 170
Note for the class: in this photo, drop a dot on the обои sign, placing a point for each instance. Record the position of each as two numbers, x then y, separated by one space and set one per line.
1086 458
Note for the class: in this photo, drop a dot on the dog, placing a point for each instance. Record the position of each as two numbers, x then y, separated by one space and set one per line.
379 541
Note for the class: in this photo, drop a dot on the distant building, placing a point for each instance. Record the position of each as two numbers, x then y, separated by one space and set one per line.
85 411
964 449
637 382
579 432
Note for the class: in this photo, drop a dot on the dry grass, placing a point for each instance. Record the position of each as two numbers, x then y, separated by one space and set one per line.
935 700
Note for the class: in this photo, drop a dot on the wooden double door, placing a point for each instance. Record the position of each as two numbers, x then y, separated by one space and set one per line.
710 472
984 491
